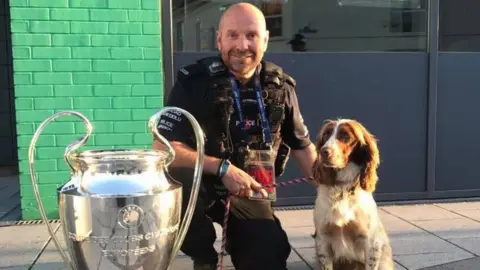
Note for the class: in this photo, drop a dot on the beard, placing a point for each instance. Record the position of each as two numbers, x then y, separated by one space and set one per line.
241 62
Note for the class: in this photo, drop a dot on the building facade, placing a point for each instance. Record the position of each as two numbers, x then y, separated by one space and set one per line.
404 68
407 69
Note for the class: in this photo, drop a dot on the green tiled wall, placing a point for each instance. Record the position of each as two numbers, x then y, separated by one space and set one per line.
98 57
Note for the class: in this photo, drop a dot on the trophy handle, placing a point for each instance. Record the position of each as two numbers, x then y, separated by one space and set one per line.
70 148
197 175
153 127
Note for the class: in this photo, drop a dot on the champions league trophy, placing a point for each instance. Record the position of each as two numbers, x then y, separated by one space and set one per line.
120 208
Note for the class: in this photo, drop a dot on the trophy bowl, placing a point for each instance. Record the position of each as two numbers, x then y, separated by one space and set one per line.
121 209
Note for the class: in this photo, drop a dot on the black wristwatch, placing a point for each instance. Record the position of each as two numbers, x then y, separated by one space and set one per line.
223 168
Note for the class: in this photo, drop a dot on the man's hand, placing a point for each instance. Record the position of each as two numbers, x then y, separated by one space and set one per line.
306 158
240 183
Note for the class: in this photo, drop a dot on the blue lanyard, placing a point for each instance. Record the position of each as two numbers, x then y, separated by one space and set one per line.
236 97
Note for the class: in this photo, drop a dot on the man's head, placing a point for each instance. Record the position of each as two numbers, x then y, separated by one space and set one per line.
242 38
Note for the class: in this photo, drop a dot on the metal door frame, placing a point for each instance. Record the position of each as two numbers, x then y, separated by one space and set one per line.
167 45
13 167
432 88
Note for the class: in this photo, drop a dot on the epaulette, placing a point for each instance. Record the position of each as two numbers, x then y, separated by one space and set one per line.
272 68
290 80
273 73
190 71
214 65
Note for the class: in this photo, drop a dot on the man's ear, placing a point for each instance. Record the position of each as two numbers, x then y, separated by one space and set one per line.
267 37
219 39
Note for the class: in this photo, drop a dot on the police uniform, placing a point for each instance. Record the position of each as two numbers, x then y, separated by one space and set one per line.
255 237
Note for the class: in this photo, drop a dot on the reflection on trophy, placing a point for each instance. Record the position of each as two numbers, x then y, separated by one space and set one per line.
121 209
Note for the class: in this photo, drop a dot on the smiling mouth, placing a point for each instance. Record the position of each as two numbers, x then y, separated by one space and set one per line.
242 56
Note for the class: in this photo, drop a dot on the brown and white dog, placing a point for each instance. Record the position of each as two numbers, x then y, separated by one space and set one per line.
349 234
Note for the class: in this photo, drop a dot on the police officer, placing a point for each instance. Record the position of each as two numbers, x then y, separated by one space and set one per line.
244 105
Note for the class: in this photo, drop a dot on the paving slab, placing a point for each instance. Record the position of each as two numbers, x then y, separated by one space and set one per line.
399 266
420 212
470 244
473 214
9 198
395 225
421 236
297 218
20 244
300 237
421 242
50 258
451 228
460 206
418 261
467 264
307 255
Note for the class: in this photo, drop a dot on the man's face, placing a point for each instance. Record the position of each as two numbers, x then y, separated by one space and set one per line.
242 40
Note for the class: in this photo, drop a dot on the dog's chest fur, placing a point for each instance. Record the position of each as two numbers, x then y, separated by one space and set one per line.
342 222
339 216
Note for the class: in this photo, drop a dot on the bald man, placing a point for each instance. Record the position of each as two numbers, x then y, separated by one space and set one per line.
248 109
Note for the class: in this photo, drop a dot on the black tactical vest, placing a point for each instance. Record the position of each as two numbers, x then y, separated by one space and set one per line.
274 83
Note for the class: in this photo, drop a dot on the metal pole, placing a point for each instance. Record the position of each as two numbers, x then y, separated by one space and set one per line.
167 46
433 30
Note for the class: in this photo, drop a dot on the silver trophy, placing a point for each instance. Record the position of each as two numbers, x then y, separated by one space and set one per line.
120 208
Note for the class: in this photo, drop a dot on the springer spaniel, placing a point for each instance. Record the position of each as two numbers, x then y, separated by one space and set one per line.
349 234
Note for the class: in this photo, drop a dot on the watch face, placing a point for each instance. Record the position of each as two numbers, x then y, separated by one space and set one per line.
225 165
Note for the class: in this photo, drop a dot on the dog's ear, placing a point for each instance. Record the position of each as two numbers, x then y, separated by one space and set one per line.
320 139
317 170
367 155
319 173
369 177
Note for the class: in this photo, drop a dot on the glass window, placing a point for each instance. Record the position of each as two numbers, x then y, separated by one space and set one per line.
273 12
459 25
313 25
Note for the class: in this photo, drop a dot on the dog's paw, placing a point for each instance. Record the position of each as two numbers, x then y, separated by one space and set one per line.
324 262
325 266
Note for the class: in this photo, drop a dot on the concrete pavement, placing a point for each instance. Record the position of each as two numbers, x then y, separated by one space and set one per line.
430 236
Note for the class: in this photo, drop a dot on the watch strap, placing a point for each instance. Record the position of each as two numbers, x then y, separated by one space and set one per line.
223 168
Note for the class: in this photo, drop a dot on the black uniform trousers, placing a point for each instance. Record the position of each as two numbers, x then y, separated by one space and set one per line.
255 238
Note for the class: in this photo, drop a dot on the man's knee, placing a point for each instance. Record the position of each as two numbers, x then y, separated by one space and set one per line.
201 235
258 244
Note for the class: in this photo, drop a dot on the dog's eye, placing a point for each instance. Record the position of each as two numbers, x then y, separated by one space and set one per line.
326 135
343 136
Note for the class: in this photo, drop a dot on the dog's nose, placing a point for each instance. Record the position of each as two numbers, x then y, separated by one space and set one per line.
325 152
